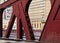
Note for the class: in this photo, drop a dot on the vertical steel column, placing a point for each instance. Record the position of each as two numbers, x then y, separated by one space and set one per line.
0 23
23 8
1 29
19 29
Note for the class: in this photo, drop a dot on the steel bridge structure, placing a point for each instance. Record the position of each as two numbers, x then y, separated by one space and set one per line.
51 31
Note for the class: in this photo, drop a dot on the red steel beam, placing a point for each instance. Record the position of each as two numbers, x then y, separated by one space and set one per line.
52 1
2 7
51 31
19 30
20 11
